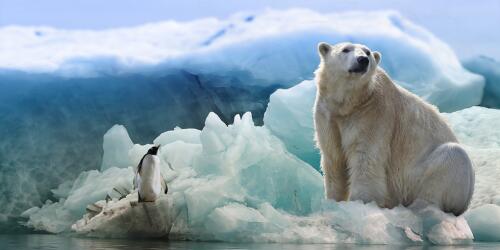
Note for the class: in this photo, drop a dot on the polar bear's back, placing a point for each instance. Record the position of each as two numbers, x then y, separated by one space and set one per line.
417 130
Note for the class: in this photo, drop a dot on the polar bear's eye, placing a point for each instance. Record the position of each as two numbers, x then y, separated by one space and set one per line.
368 53
345 50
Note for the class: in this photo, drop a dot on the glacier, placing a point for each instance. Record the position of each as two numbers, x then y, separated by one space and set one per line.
61 90
238 183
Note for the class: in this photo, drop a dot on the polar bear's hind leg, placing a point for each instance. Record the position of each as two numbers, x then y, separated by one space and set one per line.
448 179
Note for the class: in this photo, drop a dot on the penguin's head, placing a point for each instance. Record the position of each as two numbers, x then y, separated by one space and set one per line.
153 150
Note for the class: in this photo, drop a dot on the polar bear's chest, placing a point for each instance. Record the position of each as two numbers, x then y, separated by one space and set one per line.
351 135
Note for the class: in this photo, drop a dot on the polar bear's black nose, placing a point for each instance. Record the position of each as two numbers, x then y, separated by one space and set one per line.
363 61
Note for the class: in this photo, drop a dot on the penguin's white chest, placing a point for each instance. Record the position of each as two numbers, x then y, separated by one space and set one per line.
149 178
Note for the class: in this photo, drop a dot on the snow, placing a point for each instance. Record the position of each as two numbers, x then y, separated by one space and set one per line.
474 127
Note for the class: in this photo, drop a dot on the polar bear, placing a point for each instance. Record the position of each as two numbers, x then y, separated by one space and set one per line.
381 143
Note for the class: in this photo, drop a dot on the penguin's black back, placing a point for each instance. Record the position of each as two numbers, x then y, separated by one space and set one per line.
152 151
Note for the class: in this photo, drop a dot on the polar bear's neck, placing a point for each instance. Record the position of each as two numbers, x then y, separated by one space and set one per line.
343 94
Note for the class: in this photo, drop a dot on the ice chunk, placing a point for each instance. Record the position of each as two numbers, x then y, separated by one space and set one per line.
294 105
116 144
485 222
489 68
93 185
185 135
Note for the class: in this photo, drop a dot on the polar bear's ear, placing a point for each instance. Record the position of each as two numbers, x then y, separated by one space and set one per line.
377 56
324 49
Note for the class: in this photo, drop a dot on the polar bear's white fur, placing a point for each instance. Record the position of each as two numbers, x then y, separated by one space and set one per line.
381 143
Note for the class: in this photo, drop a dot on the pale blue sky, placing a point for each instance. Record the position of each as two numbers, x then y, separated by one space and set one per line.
470 27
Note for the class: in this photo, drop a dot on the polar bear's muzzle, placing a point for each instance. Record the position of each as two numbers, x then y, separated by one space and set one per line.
361 65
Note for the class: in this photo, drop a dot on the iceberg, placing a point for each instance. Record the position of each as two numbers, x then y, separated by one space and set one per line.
489 68
66 88
234 183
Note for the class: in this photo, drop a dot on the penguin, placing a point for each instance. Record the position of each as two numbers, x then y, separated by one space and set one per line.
148 179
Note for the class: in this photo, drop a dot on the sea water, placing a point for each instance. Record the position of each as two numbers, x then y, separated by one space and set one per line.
50 241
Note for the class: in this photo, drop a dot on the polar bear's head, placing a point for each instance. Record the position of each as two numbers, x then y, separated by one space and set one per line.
347 60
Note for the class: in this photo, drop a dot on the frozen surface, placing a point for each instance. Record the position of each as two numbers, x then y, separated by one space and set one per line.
237 183
61 90
489 68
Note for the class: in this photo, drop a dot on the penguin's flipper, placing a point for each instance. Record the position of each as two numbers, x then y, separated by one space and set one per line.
137 181
108 198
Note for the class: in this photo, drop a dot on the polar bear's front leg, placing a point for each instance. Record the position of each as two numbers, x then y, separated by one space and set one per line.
336 177
333 163
367 179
